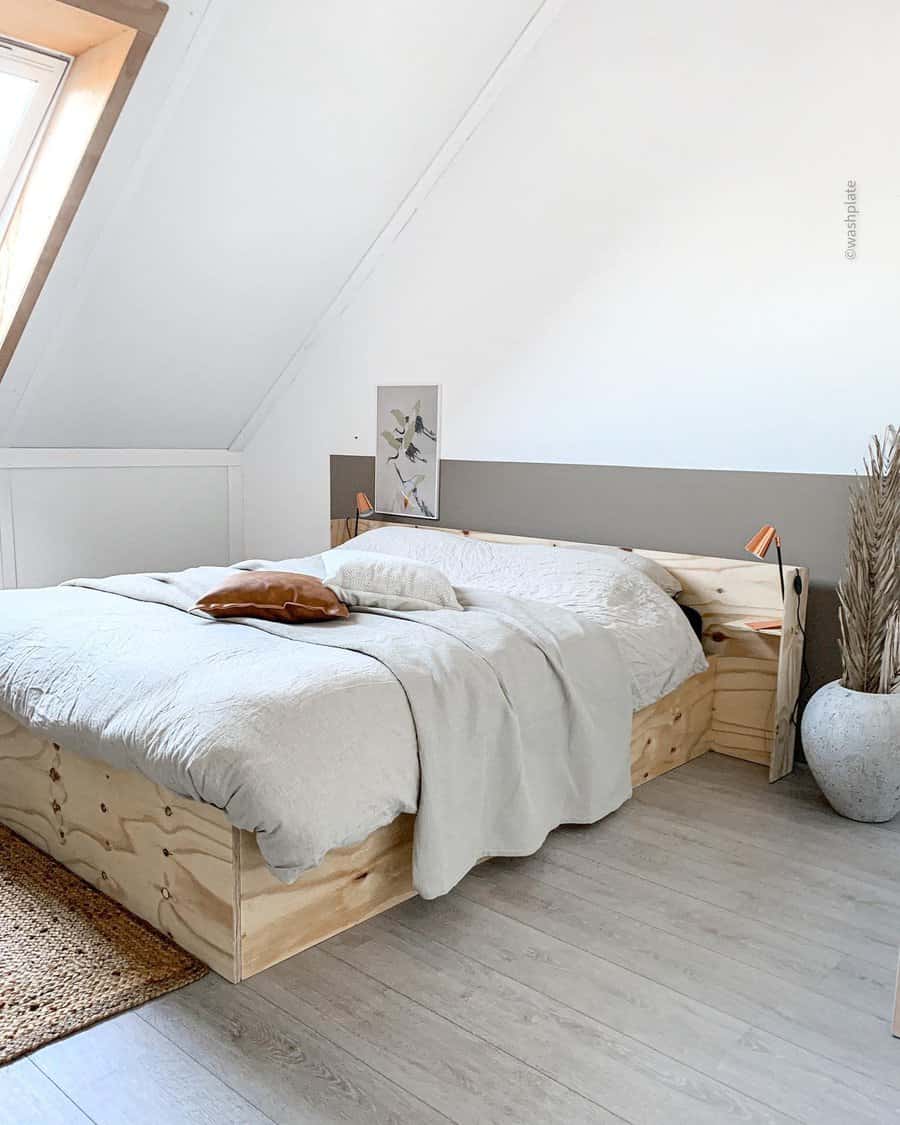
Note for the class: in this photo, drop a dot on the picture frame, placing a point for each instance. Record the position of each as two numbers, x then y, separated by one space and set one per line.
407 450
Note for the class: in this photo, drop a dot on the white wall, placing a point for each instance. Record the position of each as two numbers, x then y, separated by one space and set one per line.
80 513
638 259
263 148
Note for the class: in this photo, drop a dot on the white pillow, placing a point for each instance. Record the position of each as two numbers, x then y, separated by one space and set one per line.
376 581
445 548
663 578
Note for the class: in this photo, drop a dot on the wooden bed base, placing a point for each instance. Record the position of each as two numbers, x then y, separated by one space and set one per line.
181 866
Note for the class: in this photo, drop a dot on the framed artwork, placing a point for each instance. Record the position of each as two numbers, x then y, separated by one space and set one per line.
406 450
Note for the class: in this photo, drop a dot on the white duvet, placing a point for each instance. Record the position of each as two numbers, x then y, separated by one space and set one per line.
496 724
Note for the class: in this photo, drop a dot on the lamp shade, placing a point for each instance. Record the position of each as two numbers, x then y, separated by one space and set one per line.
761 542
364 506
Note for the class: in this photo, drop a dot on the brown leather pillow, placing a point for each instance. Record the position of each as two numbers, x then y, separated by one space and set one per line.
273 595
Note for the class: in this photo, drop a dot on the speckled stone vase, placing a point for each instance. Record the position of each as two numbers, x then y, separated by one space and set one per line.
851 740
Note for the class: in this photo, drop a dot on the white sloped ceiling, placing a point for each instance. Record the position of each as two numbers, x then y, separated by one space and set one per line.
262 151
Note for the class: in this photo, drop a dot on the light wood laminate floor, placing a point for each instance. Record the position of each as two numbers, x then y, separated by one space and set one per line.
718 950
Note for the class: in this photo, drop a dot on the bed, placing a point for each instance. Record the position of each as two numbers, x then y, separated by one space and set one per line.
183 866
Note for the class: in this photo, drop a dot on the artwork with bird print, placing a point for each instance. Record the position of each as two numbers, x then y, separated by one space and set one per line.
406 462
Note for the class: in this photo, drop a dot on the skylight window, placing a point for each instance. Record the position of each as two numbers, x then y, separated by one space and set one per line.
30 80
66 68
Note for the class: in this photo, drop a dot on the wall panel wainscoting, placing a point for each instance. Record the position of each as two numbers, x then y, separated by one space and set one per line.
67 513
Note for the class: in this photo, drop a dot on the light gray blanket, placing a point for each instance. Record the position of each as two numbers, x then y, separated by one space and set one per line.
520 713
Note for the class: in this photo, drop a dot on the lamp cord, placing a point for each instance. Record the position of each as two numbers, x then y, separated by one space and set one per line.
780 566
805 676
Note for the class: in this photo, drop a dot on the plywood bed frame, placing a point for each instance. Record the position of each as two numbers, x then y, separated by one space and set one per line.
182 866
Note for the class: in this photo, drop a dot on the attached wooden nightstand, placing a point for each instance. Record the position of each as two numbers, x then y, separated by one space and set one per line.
778 653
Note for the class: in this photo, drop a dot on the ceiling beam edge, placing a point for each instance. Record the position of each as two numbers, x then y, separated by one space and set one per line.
455 142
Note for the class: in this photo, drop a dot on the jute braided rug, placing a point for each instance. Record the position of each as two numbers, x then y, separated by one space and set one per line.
69 956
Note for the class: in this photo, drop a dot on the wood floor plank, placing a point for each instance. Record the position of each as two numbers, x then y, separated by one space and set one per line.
749 778
770 1068
796 798
786 1007
28 1097
759 1077
729 776
856 851
125 1071
278 1063
680 837
866 932
798 790
757 944
449 1068
711 927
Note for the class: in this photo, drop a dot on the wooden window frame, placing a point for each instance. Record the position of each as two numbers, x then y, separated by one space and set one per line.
109 40
46 69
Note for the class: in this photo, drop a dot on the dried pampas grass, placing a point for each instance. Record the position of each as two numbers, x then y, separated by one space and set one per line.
890 661
869 592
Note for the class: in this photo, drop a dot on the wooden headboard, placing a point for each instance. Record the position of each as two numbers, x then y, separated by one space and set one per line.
757 674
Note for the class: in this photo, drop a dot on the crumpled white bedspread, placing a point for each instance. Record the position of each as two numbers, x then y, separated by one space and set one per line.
515 716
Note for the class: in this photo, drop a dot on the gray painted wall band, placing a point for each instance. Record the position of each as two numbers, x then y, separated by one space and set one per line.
699 511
